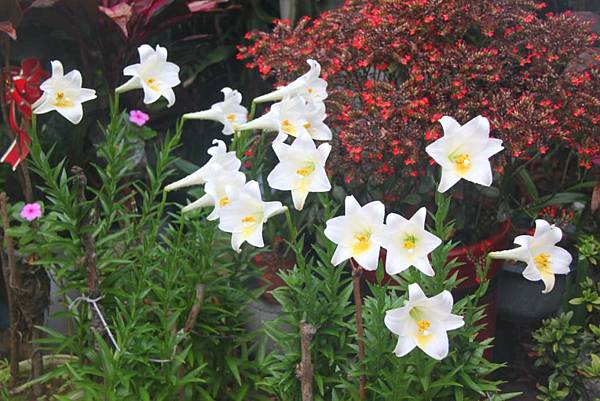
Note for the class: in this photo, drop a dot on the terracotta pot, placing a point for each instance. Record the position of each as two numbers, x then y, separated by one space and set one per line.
469 255
271 264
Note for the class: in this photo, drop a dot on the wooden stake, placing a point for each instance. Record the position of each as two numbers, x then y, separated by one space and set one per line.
190 322
356 275
304 370
11 280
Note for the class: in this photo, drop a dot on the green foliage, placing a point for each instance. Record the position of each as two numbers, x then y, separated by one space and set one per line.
150 268
567 346
320 294
556 343
559 348
589 249
590 298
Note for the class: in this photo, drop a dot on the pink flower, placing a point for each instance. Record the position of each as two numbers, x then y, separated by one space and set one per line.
138 117
31 211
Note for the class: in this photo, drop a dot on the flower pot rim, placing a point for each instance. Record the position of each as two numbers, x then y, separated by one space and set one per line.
496 240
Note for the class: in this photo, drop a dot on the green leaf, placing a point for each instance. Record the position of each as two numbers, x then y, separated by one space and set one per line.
470 383
214 57
232 364
185 166
528 184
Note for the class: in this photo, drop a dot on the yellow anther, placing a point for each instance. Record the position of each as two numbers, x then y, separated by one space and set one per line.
462 163
361 244
248 219
542 262
288 127
152 84
423 325
61 100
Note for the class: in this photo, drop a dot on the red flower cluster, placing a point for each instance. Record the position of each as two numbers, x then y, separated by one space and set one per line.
561 217
395 67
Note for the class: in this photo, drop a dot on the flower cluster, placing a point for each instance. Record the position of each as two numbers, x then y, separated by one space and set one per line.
396 67
238 205
298 116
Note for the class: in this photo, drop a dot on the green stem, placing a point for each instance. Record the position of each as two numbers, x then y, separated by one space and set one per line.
115 107
161 207
252 111
33 124
291 227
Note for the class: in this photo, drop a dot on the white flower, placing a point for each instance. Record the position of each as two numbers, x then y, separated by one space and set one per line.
216 190
356 233
544 259
220 159
309 86
229 112
245 215
301 169
463 152
423 322
64 94
288 117
408 243
315 122
154 74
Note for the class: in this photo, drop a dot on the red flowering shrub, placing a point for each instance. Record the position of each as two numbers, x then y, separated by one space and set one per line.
395 67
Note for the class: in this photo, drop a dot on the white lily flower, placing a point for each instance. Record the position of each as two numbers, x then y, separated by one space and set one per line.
216 191
245 215
220 159
229 112
154 74
544 259
423 322
357 233
301 169
288 117
315 122
463 152
309 86
64 94
408 243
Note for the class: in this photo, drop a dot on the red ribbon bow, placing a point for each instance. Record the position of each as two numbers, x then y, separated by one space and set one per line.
22 89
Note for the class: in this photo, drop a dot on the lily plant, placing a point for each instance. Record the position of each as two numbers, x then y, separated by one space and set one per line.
229 112
63 94
154 74
464 151
423 322
299 118
539 251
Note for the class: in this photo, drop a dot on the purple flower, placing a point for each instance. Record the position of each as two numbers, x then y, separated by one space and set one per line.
31 211
138 117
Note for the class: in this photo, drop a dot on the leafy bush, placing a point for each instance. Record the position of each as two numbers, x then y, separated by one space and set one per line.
151 273
395 67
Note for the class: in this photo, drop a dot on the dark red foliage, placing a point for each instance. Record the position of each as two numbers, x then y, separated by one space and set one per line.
395 67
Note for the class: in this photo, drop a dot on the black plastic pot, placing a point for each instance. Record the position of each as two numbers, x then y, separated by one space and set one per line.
521 300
